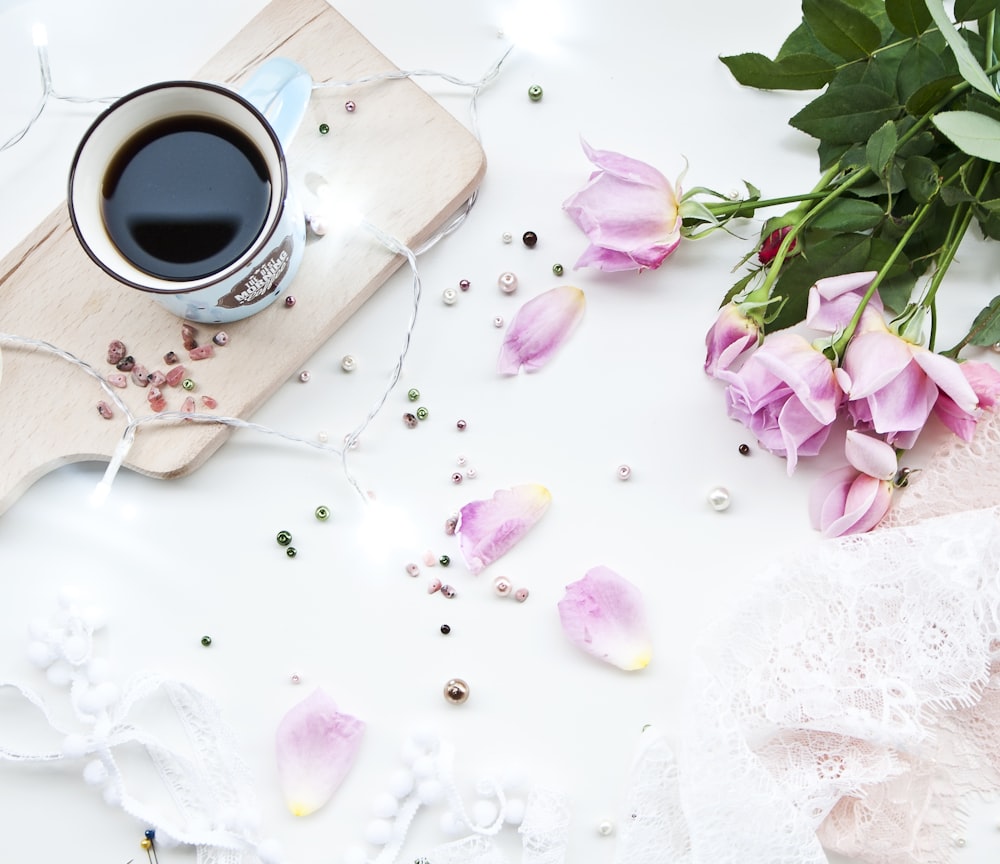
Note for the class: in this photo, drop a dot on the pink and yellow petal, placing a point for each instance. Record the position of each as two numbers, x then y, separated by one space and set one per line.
489 528
539 328
315 746
604 615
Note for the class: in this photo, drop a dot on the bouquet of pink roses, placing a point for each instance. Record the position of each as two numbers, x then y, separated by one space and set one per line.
835 315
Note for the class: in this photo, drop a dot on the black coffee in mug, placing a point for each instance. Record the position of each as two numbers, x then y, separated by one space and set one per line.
185 197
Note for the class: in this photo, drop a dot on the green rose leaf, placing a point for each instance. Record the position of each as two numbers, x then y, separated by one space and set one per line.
972 132
842 28
849 214
968 66
919 65
922 177
881 147
847 114
930 94
970 10
794 72
909 17
985 330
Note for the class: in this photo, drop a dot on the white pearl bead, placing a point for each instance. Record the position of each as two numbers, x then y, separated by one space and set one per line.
498 321
348 364
719 498
507 282
449 296
507 237
605 828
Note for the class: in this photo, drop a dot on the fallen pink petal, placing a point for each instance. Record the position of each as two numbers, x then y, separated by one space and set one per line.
489 528
605 615
539 328
315 746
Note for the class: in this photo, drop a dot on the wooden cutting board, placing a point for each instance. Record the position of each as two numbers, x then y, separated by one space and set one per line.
400 157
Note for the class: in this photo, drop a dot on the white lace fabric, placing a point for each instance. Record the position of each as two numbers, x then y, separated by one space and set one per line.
852 702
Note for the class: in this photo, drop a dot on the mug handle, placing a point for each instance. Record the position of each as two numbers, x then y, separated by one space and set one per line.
280 89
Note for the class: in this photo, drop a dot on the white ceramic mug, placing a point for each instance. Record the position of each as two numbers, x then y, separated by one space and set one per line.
266 113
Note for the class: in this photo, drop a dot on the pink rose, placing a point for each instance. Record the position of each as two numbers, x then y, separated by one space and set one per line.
895 384
834 300
730 338
629 212
787 394
985 383
855 498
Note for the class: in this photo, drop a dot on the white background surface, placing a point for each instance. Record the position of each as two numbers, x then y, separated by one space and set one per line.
171 561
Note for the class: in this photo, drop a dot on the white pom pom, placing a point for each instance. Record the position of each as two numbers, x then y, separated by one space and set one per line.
106 693
513 812
355 855
426 737
76 649
385 806
484 812
378 832
94 617
514 776
269 851
41 654
112 796
98 670
401 783
411 751
451 824
95 773
89 702
74 746
430 792
40 628
424 767
59 674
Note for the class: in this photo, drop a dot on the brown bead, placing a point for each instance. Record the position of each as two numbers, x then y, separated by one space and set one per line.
456 691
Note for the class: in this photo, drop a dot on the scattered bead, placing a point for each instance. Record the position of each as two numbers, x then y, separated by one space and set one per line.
188 384
154 394
209 402
471 473
304 376
322 436
445 629
202 352
146 843
221 338
117 379
498 321
176 376
507 282
456 691
289 301
624 472
188 334
324 128
521 594
291 551
322 513
296 679
140 375
461 460
410 420
348 364
507 237
413 394
412 569
444 560
450 524
558 269
149 834
422 413
187 406
529 239
447 591
464 284
457 477
104 409
116 352
606 828
461 425
433 586
350 107
502 586
126 364
170 358
449 296
157 378
535 93
206 640
744 449
960 842
719 498
316 225
429 558
284 538
996 347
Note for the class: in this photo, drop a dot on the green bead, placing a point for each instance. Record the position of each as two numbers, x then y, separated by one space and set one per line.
323 128
322 513
535 93
422 413
291 552
206 640
558 269
284 538
444 560
413 394
188 384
